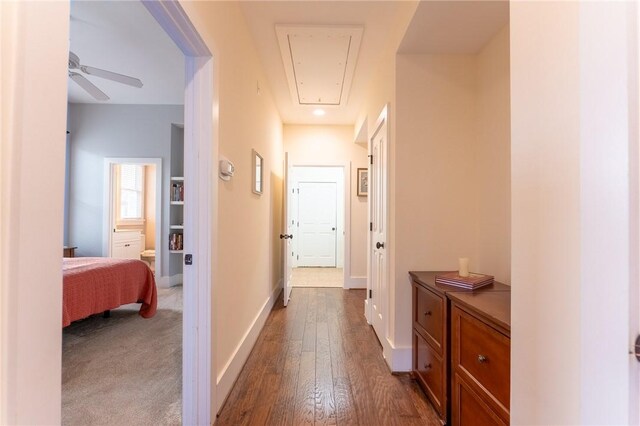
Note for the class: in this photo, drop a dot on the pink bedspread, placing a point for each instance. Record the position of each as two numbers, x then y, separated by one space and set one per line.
93 285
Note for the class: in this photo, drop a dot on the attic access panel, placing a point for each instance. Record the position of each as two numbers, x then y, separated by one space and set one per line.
319 62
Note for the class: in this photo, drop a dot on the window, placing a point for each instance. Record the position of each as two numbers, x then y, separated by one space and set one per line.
130 194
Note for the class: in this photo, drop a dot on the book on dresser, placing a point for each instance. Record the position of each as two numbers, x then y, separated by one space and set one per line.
472 282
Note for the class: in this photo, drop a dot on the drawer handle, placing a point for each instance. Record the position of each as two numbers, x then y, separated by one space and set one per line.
427 313
482 359
427 366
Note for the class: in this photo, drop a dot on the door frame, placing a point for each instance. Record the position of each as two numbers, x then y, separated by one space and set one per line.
346 174
384 340
108 204
201 152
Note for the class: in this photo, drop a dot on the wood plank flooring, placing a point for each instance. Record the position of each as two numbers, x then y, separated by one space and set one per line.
317 361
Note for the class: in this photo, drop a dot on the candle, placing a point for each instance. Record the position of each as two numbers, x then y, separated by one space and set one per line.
463 264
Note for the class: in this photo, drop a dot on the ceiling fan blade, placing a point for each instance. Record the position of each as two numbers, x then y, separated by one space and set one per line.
109 75
88 86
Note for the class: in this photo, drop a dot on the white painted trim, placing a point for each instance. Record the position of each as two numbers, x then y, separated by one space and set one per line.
356 283
169 281
389 309
401 358
107 207
367 308
301 176
201 151
346 166
230 372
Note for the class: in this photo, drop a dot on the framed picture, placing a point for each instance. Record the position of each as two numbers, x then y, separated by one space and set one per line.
258 172
363 182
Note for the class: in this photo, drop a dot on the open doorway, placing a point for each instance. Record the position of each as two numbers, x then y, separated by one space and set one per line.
317 206
124 135
133 210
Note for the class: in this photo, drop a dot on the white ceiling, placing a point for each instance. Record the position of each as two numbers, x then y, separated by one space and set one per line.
122 36
305 50
376 17
456 27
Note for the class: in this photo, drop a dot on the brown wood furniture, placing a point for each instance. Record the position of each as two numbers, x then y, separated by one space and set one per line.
433 357
68 251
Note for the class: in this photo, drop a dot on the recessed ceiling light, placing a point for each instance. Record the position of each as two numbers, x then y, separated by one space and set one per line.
319 112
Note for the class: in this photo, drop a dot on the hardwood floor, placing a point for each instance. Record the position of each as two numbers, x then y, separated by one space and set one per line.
317 361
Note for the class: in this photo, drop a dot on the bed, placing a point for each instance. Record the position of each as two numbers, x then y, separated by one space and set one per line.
93 285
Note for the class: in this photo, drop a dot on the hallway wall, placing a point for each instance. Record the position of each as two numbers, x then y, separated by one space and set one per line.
453 138
444 204
247 270
33 97
574 212
381 93
332 145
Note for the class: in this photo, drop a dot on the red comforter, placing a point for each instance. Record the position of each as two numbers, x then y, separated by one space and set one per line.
93 285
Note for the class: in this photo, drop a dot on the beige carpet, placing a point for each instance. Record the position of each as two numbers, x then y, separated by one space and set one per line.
317 277
125 370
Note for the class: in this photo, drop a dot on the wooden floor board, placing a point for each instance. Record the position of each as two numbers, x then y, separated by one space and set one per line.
317 361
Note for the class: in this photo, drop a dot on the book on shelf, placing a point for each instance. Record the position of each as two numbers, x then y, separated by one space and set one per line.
177 192
472 282
175 241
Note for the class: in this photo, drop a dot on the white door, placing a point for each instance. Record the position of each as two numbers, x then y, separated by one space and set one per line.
287 230
379 260
317 216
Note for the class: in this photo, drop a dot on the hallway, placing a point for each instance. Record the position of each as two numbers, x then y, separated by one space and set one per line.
317 361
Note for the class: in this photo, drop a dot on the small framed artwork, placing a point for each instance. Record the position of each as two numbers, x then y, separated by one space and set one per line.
363 182
258 168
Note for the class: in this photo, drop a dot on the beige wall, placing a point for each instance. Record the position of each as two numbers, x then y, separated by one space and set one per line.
247 269
545 213
452 161
33 104
435 220
382 92
574 91
493 159
333 145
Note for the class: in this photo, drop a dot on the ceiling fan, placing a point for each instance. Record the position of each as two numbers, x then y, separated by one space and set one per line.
82 81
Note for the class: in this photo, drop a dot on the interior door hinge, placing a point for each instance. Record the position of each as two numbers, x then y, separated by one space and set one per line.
370 226
370 293
298 190
297 257
370 158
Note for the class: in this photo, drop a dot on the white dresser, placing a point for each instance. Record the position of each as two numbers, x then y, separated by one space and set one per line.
125 245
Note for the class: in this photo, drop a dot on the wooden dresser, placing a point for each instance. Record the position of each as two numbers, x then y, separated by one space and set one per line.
480 357
433 365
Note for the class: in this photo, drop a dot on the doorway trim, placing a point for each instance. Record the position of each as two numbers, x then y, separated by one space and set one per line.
108 204
389 309
201 152
348 283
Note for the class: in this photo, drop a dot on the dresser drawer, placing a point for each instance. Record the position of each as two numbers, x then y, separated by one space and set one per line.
428 314
483 354
469 408
430 371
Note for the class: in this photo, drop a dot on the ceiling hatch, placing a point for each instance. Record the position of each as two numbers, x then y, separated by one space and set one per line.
319 62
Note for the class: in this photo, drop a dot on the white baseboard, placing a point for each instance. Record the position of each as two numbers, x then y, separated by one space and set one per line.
401 358
367 311
232 369
169 281
356 282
